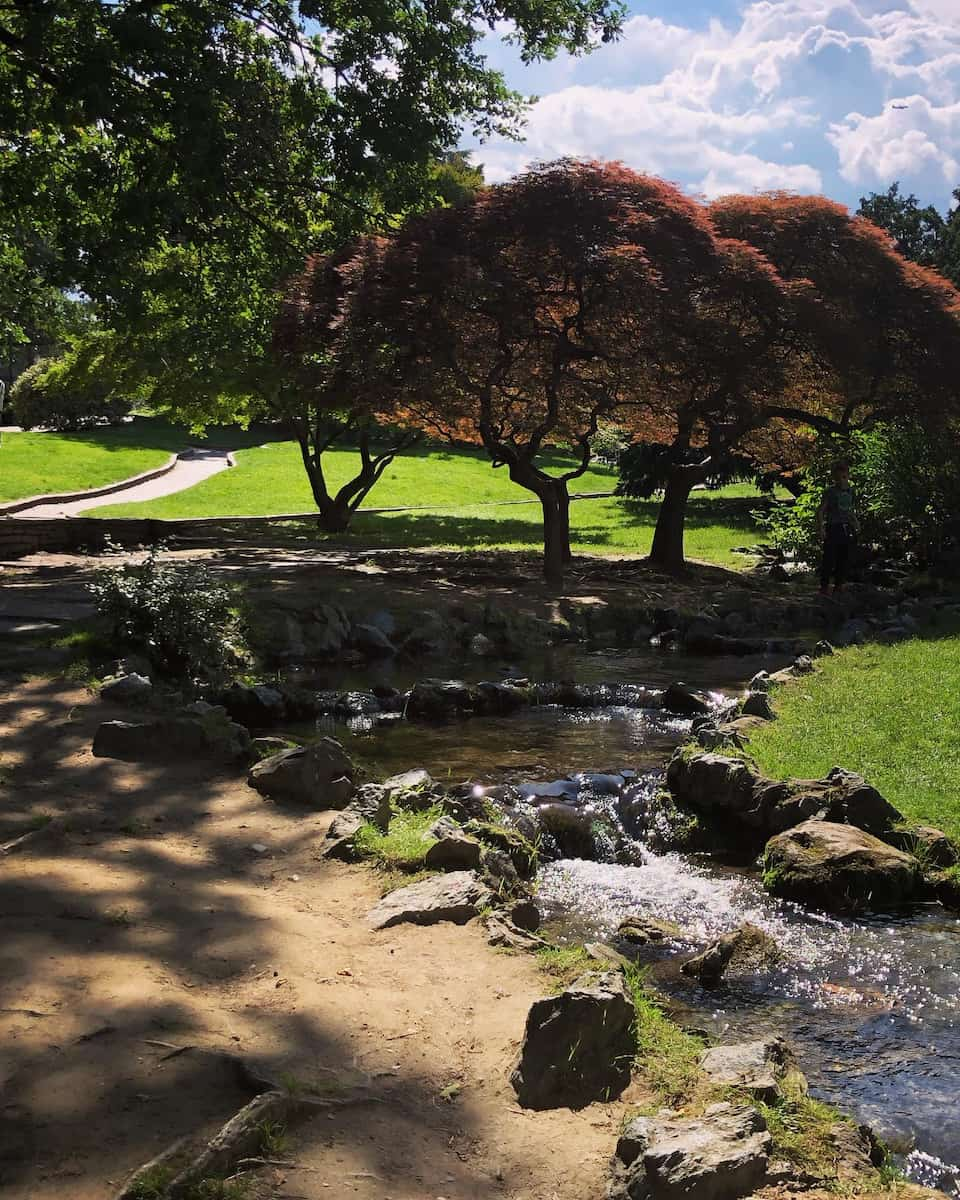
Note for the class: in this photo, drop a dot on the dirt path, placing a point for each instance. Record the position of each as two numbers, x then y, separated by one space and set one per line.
146 923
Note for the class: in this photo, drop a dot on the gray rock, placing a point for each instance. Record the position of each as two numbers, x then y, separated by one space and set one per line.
838 867
453 852
457 897
757 704
802 664
127 689
504 933
757 1067
747 946
822 649
339 842
256 705
759 683
578 1046
319 775
372 641
205 734
414 790
853 801
642 931
721 1155
440 699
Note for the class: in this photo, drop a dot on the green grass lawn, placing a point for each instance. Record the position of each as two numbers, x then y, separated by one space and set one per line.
469 505
35 464
890 712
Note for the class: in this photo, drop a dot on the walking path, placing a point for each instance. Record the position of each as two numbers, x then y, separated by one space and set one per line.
192 467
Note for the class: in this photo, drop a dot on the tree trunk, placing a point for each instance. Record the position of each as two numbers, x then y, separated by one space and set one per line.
556 541
667 548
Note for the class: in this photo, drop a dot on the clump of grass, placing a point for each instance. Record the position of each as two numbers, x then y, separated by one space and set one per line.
801 1127
405 844
564 964
667 1056
391 880
273 1138
151 1184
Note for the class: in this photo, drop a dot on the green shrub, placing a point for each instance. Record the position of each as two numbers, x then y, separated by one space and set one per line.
83 386
907 487
181 617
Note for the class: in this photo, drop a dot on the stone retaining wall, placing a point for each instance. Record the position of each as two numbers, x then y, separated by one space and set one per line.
107 489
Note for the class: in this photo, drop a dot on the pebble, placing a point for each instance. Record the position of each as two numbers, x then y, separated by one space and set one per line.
258 848
294 878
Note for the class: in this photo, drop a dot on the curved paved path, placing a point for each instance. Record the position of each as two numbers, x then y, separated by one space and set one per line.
192 467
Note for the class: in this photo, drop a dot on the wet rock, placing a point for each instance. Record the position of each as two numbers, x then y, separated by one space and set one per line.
802 664
525 915
538 791
453 852
711 782
679 699
757 704
759 683
371 641
253 706
457 897
931 846
500 698
319 775
511 841
573 829
204 733
756 1067
822 649
578 1046
747 946
499 872
642 931
838 867
505 933
127 689
721 1155
440 699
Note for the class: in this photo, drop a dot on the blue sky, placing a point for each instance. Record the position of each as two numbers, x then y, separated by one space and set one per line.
833 96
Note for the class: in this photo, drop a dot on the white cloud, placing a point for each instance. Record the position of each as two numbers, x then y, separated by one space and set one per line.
908 138
796 94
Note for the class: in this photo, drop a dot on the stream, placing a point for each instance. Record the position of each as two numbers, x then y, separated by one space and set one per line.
870 1005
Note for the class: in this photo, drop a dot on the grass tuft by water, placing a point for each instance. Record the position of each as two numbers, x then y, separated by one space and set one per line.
667 1056
405 844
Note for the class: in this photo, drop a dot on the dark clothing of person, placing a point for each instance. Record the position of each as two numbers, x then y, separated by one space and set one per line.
837 550
838 507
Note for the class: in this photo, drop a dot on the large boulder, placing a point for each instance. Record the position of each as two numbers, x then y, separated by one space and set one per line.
712 783
679 699
454 851
254 705
721 1155
578 1046
457 897
440 699
202 731
320 775
838 867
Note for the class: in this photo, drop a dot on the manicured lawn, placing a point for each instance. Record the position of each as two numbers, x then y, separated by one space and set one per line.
270 479
454 486
890 712
34 464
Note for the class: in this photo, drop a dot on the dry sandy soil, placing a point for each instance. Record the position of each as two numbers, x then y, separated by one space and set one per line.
145 947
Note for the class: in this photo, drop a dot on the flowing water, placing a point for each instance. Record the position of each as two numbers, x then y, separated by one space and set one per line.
870 1005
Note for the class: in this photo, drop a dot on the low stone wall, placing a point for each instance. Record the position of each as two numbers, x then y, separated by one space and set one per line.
107 489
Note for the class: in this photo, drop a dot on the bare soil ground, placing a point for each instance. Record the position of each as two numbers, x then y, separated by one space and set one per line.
145 947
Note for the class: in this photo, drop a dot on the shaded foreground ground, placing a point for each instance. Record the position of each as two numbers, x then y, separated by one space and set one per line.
146 923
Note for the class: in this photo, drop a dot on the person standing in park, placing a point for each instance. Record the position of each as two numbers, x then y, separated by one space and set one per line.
837 526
